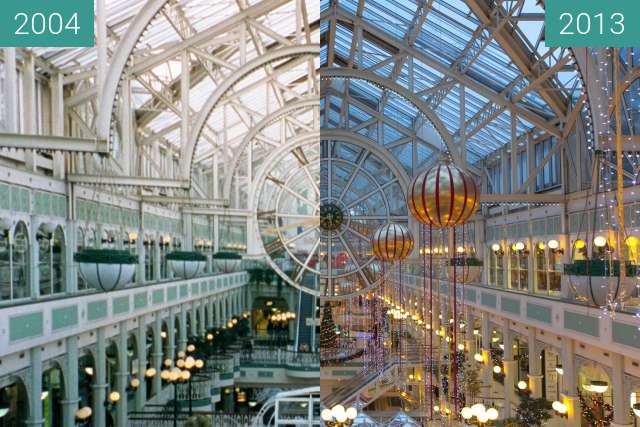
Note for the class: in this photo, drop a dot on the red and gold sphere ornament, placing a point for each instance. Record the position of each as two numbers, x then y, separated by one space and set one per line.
443 196
392 242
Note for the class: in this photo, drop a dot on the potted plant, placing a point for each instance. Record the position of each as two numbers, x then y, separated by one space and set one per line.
227 261
187 264
468 270
106 269
598 281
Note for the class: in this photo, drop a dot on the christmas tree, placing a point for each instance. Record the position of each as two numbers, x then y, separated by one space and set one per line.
328 336
532 412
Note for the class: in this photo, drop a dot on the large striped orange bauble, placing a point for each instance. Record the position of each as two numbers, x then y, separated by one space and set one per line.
392 242
443 196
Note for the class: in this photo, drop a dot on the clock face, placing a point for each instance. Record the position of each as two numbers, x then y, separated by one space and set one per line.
358 193
288 214
331 217
318 205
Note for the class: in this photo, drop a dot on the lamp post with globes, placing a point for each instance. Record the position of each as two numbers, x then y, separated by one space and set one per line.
338 416
482 415
174 376
82 415
185 365
190 364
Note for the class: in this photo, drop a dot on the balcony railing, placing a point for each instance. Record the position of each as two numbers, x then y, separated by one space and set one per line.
165 419
201 387
279 357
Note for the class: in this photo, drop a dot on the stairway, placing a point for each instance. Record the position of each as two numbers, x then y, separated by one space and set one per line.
364 387
367 386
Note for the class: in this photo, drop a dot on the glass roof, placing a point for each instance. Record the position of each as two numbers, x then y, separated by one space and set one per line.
156 89
452 37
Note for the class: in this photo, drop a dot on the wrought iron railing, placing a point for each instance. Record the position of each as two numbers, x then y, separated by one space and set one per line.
279 357
165 419
201 386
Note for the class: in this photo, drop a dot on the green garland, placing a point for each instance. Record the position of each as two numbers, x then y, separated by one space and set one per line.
604 415
599 268
227 255
471 262
186 256
105 256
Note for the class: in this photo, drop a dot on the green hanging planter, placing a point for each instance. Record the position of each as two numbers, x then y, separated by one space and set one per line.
106 269
599 281
227 262
187 264
468 270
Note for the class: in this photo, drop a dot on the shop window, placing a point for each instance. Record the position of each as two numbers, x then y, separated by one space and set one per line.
5 265
80 244
540 265
496 259
579 250
518 267
20 263
165 248
50 259
548 267
149 247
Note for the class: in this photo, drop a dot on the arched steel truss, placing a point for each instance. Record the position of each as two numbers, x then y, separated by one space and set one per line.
273 159
303 104
386 84
187 151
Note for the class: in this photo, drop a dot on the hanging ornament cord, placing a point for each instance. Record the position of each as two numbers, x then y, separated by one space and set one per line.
430 364
423 356
454 329
380 322
400 340
465 274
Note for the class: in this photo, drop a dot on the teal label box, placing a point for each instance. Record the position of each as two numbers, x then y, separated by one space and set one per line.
46 23
592 23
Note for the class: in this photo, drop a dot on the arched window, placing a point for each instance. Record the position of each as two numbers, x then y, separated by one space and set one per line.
14 398
20 262
149 357
149 247
51 259
165 248
52 396
86 375
5 265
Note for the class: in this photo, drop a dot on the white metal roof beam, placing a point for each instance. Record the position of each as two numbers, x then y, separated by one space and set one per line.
53 143
127 181
518 52
538 120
